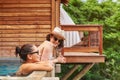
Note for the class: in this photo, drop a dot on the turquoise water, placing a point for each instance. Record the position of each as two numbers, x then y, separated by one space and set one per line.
8 67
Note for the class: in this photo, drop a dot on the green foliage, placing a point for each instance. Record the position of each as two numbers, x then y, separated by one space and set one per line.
106 13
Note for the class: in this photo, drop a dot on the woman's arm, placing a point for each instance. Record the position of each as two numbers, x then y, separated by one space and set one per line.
41 66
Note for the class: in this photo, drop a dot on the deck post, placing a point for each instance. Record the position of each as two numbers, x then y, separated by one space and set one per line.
85 69
70 72
58 12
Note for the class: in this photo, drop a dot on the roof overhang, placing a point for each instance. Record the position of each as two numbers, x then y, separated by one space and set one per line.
65 1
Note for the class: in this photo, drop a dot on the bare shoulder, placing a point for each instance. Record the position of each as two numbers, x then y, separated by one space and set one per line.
34 64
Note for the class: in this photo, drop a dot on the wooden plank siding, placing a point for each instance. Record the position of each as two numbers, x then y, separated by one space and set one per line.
24 21
25 1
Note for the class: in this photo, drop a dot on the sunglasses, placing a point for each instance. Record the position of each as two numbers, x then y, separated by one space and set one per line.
35 52
56 39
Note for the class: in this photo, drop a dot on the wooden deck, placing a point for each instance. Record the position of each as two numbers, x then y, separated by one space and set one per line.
88 50
81 57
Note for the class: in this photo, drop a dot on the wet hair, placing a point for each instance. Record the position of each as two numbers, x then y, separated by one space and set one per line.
23 51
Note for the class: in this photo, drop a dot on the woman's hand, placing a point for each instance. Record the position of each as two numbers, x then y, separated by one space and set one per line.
61 59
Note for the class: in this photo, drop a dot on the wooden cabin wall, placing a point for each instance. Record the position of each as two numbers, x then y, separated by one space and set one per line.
24 21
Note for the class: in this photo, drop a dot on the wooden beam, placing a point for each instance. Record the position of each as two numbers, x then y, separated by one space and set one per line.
65 1
85 69
27 14
18 5
13 44
25 22
24 27
58 12
81 49
25 1
70 72
85 59
81 57
30 31
22 18
80 27
23 10
101 40
21 39
24 35
53 15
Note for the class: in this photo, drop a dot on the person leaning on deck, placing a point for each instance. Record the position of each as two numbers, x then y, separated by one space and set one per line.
31 60
53 40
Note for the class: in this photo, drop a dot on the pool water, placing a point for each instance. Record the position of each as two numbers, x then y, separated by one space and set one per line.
8 67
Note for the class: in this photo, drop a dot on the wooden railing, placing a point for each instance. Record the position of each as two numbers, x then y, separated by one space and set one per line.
91 42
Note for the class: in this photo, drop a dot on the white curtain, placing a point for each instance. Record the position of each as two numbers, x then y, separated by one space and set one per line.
72 37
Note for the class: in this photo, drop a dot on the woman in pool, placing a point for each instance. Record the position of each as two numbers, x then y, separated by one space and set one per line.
31 60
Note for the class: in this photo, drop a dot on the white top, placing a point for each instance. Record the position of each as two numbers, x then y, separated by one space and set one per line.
46 50
71 37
